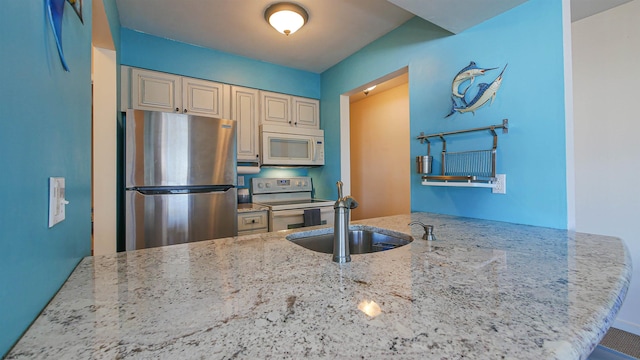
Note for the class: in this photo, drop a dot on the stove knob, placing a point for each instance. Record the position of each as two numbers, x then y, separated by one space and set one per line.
299 183
268 185
260 185
306 183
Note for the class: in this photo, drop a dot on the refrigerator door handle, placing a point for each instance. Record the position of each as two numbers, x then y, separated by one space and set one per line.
183 190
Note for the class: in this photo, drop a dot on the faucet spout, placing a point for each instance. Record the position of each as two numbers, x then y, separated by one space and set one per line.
342 207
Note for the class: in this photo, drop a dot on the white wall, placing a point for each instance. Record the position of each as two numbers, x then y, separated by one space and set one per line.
104 151
606 49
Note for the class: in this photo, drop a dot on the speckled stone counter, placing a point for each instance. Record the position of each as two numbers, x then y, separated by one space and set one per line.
483 290
250 207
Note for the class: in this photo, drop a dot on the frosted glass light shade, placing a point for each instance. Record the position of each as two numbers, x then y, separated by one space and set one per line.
287 18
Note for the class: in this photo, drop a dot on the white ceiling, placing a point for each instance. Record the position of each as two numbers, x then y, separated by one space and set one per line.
336 28
457 15
581 9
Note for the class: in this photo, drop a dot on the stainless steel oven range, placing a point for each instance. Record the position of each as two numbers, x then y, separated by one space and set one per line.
290 202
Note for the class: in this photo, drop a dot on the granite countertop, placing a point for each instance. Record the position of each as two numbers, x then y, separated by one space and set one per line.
251 207
483 290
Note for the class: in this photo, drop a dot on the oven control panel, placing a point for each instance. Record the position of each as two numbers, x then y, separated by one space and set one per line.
279 185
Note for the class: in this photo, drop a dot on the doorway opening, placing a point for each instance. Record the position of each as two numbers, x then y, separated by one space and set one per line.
375 130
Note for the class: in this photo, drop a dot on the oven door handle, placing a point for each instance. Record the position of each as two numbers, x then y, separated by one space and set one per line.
278 213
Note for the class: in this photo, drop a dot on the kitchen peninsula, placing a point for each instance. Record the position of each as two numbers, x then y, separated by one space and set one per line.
483 290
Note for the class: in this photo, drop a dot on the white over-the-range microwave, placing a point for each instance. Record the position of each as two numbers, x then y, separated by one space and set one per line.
291 146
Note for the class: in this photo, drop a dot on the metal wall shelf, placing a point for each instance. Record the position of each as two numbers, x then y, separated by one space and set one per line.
475 168
459 184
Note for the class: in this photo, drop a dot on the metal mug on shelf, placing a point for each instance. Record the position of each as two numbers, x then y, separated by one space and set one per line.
423 163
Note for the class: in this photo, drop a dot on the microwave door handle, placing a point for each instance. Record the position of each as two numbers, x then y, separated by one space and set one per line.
313 149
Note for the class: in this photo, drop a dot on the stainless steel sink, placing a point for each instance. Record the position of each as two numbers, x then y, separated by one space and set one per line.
361 240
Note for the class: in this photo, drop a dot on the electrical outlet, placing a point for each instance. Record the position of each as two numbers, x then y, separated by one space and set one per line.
501 184
240 180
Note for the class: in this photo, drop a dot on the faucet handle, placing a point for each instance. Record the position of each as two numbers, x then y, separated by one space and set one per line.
428 230
339 184
351 202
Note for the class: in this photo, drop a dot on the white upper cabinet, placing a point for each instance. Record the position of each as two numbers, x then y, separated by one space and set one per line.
306 112
275 108
151 90
157 91
201 97
286 110
245 107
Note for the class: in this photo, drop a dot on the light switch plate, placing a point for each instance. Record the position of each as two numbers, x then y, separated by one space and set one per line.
57 201
240 180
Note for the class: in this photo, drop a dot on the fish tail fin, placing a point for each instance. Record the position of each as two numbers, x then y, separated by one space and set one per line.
453 108
55 10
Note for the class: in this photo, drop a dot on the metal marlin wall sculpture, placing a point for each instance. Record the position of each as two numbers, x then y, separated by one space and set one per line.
467 73
55 11
485 92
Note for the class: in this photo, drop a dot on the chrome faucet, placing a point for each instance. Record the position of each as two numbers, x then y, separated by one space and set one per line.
341 226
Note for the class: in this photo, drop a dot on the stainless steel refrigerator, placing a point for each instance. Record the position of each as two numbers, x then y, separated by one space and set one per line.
180 179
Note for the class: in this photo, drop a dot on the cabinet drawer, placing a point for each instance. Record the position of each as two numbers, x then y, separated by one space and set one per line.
252 221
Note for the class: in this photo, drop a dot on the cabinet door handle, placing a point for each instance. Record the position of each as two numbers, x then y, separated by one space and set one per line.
253 221
185 111
177 109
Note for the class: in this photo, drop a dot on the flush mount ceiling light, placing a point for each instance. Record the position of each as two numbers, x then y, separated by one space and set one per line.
286 17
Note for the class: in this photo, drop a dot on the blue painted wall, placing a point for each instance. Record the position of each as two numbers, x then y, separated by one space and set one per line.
45 130
155 53
529 39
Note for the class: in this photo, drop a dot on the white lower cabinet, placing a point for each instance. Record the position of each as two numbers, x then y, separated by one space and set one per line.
253 222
